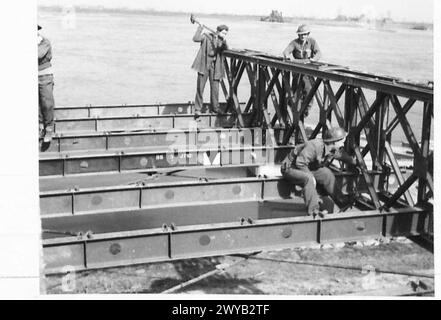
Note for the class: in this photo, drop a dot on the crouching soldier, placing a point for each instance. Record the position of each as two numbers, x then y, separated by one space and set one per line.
306 166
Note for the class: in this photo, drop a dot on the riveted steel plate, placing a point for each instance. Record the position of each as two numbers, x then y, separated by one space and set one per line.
354 228
112 200
64 258
242 239
197 193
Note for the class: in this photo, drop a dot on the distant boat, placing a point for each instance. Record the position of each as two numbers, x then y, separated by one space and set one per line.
419 27
275 16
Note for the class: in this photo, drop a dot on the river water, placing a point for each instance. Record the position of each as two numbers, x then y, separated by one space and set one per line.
122 58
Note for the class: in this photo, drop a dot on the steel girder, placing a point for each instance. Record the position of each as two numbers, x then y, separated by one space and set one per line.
94 111
173 242
153 123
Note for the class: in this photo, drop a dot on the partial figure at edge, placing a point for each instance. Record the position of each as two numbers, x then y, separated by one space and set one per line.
45 89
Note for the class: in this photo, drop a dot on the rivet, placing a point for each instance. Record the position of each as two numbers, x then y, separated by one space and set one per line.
204 240
169 194
96 200
115 248
360 225
286 233
143 161
237 189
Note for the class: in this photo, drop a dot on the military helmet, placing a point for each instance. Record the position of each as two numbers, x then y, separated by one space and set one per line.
302 29
334 134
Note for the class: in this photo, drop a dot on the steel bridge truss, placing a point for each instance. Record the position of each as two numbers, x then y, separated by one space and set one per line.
278 100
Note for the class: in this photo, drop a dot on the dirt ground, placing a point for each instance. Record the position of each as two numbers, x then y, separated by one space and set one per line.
340 269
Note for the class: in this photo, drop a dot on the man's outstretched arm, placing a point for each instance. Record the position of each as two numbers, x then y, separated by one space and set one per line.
198 36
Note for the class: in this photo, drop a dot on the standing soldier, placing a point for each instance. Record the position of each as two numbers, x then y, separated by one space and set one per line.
304 49
45 89
306 166
209 65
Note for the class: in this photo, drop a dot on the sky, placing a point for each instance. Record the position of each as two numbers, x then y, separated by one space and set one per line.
399 10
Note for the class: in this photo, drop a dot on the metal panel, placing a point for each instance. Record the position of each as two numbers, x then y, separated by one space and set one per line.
124 111
134 123
51 167
225 138
150 140
69 113
160 160
89 143
174 195
351 228
61 204
233 240
127 251
98 164
407 223
103 201
74 125
176 109
127 110
187 122
64 258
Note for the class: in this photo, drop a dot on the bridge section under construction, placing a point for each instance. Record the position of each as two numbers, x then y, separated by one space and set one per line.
122 185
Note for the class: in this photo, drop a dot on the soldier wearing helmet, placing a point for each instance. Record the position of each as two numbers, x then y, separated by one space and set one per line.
304 48
306 166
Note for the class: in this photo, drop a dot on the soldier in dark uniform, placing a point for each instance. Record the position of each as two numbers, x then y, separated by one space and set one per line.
209 65
306 166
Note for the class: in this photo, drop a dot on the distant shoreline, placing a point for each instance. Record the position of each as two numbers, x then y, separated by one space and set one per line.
310 20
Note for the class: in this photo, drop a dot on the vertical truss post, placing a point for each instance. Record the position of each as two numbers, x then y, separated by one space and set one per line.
262 113
397 171
425 149
350 115
380 136
253 88
367 178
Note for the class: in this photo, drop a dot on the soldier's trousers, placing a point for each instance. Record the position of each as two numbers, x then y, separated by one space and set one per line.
46 100
323 176
214 90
